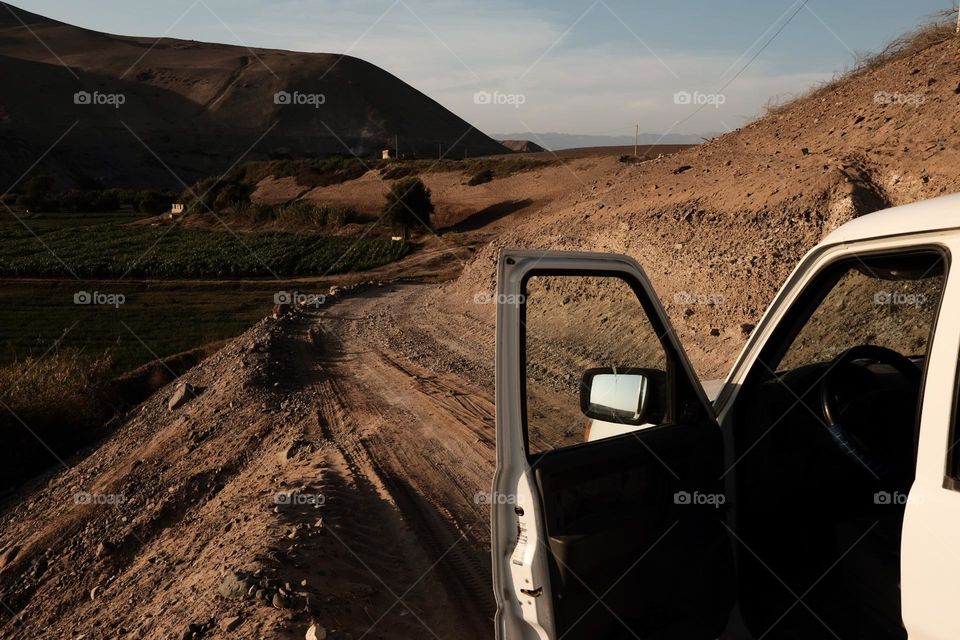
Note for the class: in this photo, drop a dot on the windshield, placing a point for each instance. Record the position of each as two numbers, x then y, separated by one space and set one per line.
876 302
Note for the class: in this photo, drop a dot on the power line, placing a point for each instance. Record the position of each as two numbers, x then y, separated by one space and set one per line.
803 4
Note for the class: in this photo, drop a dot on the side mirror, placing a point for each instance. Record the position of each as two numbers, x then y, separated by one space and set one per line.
623 395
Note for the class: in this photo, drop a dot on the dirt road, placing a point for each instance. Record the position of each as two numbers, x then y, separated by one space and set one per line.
411 406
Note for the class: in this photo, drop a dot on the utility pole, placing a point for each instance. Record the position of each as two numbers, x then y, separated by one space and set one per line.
439 151
636 140
396 146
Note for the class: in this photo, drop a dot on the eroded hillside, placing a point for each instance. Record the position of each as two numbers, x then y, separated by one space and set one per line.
719 227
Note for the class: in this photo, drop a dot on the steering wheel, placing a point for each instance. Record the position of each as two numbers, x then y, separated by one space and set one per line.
833 408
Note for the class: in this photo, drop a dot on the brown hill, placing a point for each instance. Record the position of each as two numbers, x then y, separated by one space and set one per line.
522 146
198 107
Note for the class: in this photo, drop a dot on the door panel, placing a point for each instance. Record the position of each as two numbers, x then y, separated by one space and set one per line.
614 537
619 526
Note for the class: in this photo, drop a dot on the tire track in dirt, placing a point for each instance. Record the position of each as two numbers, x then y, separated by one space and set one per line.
419 436
392 533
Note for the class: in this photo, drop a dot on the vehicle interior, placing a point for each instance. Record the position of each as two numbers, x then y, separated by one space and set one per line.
825 432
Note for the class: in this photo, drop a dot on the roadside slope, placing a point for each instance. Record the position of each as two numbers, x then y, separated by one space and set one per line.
244 513
724 223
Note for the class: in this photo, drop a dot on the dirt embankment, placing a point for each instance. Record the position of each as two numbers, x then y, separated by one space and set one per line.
262 505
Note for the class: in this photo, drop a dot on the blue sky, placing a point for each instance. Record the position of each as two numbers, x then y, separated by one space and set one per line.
574 66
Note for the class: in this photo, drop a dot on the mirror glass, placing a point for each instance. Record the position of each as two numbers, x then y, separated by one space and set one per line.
617 396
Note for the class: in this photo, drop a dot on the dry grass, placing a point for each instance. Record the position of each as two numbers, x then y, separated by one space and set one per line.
51 406
941 28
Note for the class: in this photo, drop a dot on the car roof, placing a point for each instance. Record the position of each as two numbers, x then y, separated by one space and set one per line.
935 214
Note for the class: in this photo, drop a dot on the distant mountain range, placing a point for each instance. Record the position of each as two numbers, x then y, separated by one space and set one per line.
556 141
96 109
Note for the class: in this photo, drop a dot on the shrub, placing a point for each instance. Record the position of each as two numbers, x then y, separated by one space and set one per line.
108 200
228 195
109 250
36 192
77 201
481 177
152 202
56 404
941 29
307 172
201 197
254 212
408 203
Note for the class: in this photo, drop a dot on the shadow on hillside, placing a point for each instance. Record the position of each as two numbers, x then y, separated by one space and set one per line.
491 214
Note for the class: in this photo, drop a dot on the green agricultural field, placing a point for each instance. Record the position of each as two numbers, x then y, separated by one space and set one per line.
176 289
111 250
148 320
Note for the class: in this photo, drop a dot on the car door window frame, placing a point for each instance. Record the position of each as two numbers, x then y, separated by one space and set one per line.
814 291
806 273
805 304
673 357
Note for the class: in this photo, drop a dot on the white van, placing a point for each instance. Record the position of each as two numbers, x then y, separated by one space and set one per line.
817 497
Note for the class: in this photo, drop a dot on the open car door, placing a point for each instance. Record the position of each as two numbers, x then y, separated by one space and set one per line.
607 513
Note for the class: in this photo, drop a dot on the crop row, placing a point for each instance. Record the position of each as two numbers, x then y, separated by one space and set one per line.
140 251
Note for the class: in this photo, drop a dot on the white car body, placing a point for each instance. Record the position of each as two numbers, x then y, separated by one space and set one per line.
929 559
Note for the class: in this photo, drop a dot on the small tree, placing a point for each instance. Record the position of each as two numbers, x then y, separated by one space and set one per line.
152 202
408 204
36 192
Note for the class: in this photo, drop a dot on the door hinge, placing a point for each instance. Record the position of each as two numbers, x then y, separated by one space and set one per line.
533 593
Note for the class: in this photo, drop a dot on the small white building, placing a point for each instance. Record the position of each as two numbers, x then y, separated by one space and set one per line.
175 211
387 154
